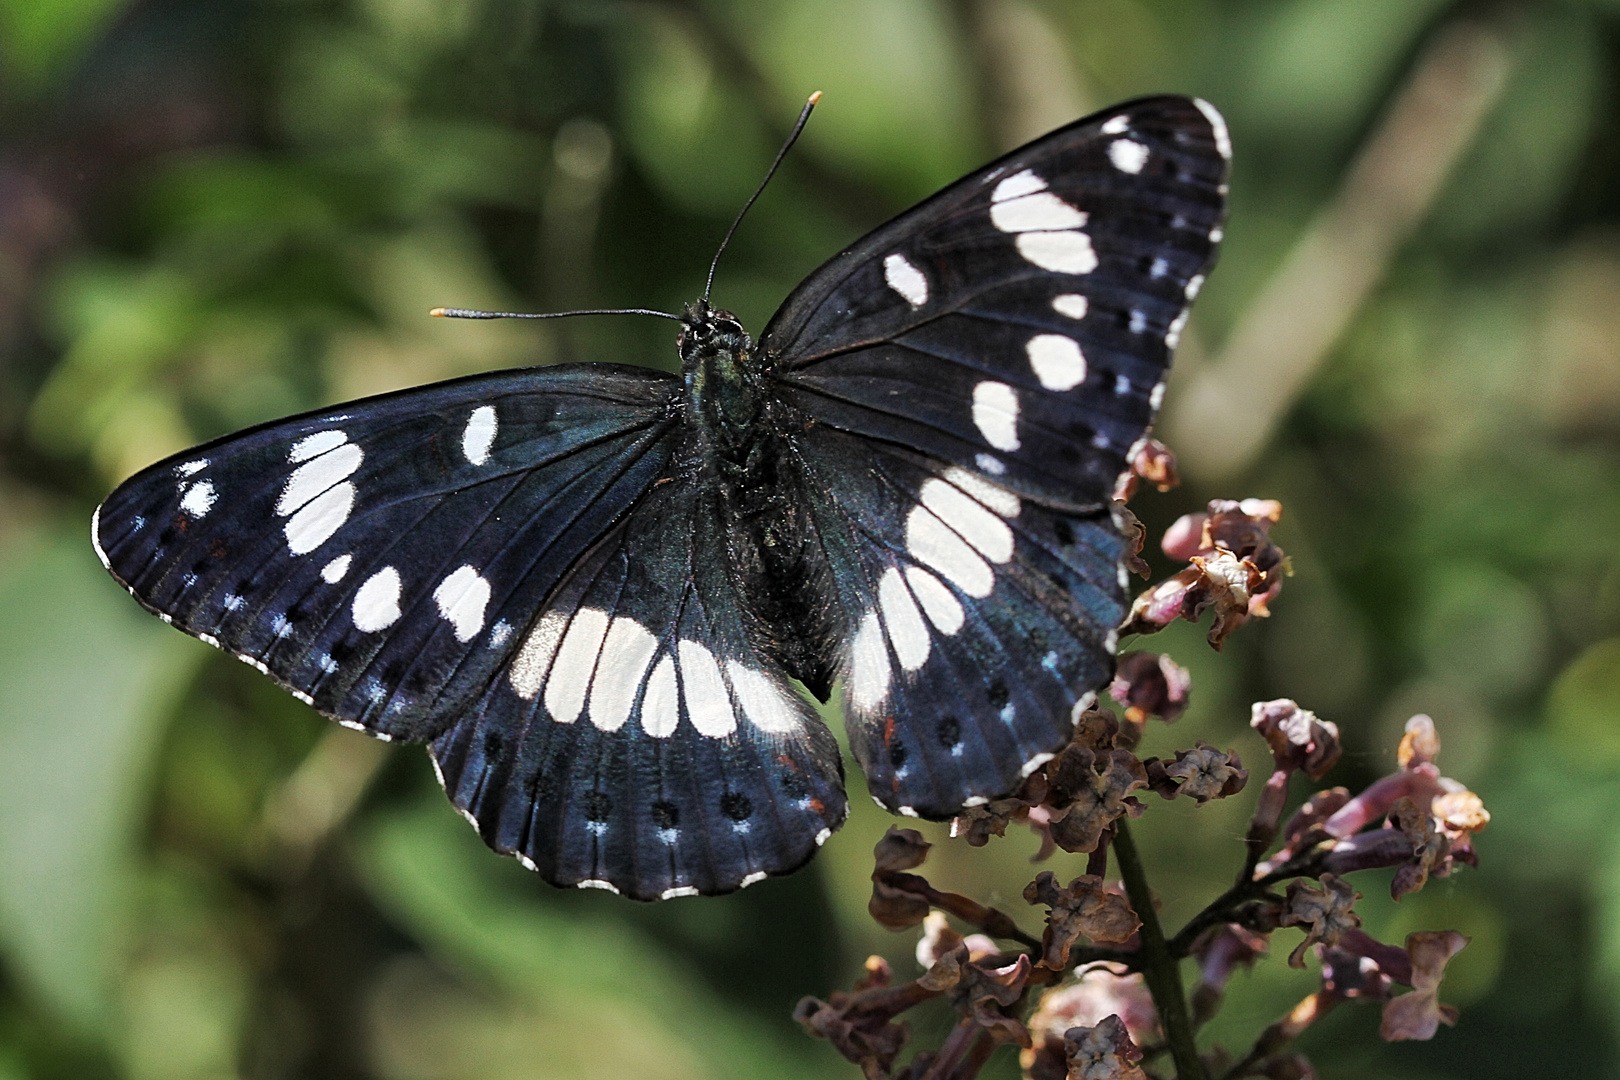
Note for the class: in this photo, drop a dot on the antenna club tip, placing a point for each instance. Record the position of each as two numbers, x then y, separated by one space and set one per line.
440 313
815 97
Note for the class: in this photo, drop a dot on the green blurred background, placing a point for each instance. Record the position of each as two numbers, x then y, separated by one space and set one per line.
217 212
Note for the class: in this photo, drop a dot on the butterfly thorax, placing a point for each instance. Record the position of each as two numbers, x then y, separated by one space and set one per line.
728 402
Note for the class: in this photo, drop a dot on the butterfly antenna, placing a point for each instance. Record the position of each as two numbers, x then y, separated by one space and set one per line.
470 313
793 136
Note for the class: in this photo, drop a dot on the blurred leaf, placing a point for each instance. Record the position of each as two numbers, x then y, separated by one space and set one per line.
1584 705
40 39
612 998
85 678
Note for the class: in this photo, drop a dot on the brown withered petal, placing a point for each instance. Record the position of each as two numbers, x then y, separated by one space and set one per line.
1103 1052
1153 462
1420 743
1185 537
1083 909
1207 773
1098 802
977 824
1298 739
1328 911
1460 812
938 939
946 972
1150 684
984 991
1220 951
1419 1014
1287 1067
863 1041
1135 534
1431 850
900 849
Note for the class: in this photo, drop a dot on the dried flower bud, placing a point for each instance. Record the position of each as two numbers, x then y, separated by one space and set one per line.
1207 773
1327 909
1094 801
1298 739
1135 534
1150 684
892 906
1153 462
1431 851
939 939
1103 1052
1287 1067
1419 1014
984 992
1420 744
1084 909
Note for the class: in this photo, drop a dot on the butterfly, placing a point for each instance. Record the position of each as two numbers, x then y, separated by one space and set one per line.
594 590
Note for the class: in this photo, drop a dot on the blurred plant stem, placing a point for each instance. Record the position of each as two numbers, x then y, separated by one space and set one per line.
1161 971
318 797
1290 327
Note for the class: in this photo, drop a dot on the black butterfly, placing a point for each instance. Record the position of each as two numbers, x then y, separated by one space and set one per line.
588 587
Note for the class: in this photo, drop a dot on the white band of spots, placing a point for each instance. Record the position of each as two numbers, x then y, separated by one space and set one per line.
868 664
570 676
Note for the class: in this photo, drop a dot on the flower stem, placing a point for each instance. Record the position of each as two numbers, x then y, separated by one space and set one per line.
1160 970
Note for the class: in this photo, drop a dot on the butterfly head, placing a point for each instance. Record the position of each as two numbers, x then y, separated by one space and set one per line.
706 330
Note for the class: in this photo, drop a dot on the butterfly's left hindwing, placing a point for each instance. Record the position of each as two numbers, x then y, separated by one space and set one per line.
640 739
381 559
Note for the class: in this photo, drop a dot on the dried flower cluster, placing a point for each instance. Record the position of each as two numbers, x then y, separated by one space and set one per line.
1097 996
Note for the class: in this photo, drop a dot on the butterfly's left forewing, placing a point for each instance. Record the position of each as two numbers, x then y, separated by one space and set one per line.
381 559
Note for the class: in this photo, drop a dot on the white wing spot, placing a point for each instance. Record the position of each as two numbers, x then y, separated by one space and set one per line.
597 883
1056 361
1159 268
333 572
314 445
1071 304
190 468
376 603
752 879
995 414
1194 283
994 496
823 836
1127 155
319 519
1117 125
679 890
905 279
576 658
660 708
937 602
500 633
1138 321
708 705
462 598
988 534
479 434
534 659
317 475
868 664
934 545
1033 213
627 651
199 499
907 631
1156 398
766 704
1068 252
1034 763
1101 440
990 464
1217 123
1018 184
1122 386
